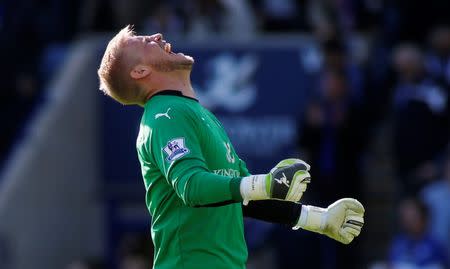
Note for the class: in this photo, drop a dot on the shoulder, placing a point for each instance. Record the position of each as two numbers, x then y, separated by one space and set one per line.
161 119
168 112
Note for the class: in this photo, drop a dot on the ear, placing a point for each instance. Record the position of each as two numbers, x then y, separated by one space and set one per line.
140 71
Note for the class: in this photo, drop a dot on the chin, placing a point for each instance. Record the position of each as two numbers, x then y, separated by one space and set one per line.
190 58
187 58
186 62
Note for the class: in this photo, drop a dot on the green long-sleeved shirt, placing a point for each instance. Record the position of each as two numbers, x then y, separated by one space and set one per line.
189 164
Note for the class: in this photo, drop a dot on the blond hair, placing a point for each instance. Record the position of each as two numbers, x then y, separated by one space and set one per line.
114 70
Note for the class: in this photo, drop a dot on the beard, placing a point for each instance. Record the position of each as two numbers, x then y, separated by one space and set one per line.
169 65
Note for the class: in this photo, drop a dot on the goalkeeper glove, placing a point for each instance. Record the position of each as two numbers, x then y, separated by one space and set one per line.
341 221
286 181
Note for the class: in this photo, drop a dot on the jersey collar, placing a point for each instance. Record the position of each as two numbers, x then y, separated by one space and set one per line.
173 93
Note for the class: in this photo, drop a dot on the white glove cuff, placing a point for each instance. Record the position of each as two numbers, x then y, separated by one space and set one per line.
311 219
253 188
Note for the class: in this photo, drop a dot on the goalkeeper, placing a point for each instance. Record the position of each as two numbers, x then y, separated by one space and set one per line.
197 189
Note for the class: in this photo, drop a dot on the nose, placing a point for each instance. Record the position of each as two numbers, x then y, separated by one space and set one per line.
157 37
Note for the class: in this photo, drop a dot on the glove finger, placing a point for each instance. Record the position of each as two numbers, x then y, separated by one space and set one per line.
297 196
347 225
296 191
353 219
345 237
308 167
353 231
291 161
352 204
298 186
302 177
351 227
351 212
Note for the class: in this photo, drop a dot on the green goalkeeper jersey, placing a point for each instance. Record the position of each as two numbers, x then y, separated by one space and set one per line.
191 175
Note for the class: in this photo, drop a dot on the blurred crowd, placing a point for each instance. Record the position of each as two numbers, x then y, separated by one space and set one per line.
135 252
383 64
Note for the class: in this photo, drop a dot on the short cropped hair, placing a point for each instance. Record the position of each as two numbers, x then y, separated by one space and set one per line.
114 70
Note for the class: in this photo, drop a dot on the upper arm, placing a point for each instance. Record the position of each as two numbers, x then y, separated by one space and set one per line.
175 145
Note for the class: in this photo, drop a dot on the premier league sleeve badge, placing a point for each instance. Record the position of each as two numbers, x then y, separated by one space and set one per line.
175 149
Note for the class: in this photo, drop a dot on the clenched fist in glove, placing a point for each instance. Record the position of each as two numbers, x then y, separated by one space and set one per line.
341 221
286 181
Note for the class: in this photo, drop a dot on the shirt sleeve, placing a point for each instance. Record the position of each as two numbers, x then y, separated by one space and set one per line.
273 211
243 167
176 147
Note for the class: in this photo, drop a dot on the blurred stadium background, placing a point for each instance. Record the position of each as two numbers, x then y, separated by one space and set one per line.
359 88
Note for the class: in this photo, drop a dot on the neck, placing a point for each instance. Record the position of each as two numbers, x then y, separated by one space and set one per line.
178 80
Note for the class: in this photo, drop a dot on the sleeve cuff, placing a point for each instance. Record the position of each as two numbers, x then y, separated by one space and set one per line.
235 189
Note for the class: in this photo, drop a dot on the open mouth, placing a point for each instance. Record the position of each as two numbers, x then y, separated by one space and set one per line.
168 48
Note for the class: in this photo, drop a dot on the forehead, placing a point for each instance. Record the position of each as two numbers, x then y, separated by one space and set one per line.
133 40
141 38
132 44
136 42
136 46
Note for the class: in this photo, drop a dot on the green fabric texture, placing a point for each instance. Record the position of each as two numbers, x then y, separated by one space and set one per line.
187 163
